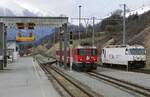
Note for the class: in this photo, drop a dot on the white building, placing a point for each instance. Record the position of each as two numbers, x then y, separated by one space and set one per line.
12 50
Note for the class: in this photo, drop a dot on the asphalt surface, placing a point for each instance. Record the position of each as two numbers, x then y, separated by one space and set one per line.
24 78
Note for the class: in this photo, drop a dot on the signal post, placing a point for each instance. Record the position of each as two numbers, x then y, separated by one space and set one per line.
71 45
5 46
61 45
65 44
1 46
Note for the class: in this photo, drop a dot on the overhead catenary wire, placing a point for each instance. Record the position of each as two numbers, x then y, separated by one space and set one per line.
86 20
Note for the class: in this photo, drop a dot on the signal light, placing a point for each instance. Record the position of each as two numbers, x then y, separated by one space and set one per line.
80 59
94 58
71 37
30 25
20 25
71 42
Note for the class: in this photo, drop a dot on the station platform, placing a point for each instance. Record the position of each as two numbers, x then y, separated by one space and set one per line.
24 78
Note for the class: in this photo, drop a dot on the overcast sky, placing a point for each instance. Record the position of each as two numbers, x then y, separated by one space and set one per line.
98 8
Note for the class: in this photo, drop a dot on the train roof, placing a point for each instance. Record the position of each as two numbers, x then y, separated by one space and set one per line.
124 46
86 47
81 47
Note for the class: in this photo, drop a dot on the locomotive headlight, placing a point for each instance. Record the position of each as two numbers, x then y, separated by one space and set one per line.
93 58
80 59
144 57
136 58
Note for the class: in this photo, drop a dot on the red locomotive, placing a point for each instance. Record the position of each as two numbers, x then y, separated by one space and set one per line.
84 58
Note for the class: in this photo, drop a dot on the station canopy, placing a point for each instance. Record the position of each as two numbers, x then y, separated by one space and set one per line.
11 21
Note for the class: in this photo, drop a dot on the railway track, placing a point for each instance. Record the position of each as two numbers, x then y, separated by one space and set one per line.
145 71
141 71
124 84
61 78
73 88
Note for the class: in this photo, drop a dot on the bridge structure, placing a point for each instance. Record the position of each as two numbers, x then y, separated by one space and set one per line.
49 21
12 21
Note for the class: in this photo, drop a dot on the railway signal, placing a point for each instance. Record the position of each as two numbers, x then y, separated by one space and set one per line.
30 25
19 37
71 38
20 25
71 44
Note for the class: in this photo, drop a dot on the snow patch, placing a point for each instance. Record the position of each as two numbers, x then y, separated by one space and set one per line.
21 9
139 11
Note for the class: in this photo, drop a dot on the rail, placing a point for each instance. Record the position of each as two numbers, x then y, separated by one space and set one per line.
133 87
73 88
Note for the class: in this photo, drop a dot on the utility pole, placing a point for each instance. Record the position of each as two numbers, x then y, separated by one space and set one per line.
61 39
86 20
93 34
2 46
65 45
54 37
71 44
5 46
79 22
124 25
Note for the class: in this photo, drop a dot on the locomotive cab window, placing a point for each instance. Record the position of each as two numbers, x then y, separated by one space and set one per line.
93 52
81 52
126 52
103 51
137 51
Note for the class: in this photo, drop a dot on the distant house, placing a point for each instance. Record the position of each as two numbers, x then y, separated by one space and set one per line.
12 49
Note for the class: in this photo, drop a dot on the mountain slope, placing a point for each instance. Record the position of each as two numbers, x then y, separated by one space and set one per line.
14 8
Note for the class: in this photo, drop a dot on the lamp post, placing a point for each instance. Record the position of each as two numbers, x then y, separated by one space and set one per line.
79 21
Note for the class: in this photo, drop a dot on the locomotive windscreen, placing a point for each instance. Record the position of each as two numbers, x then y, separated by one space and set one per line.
83 52
137 51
